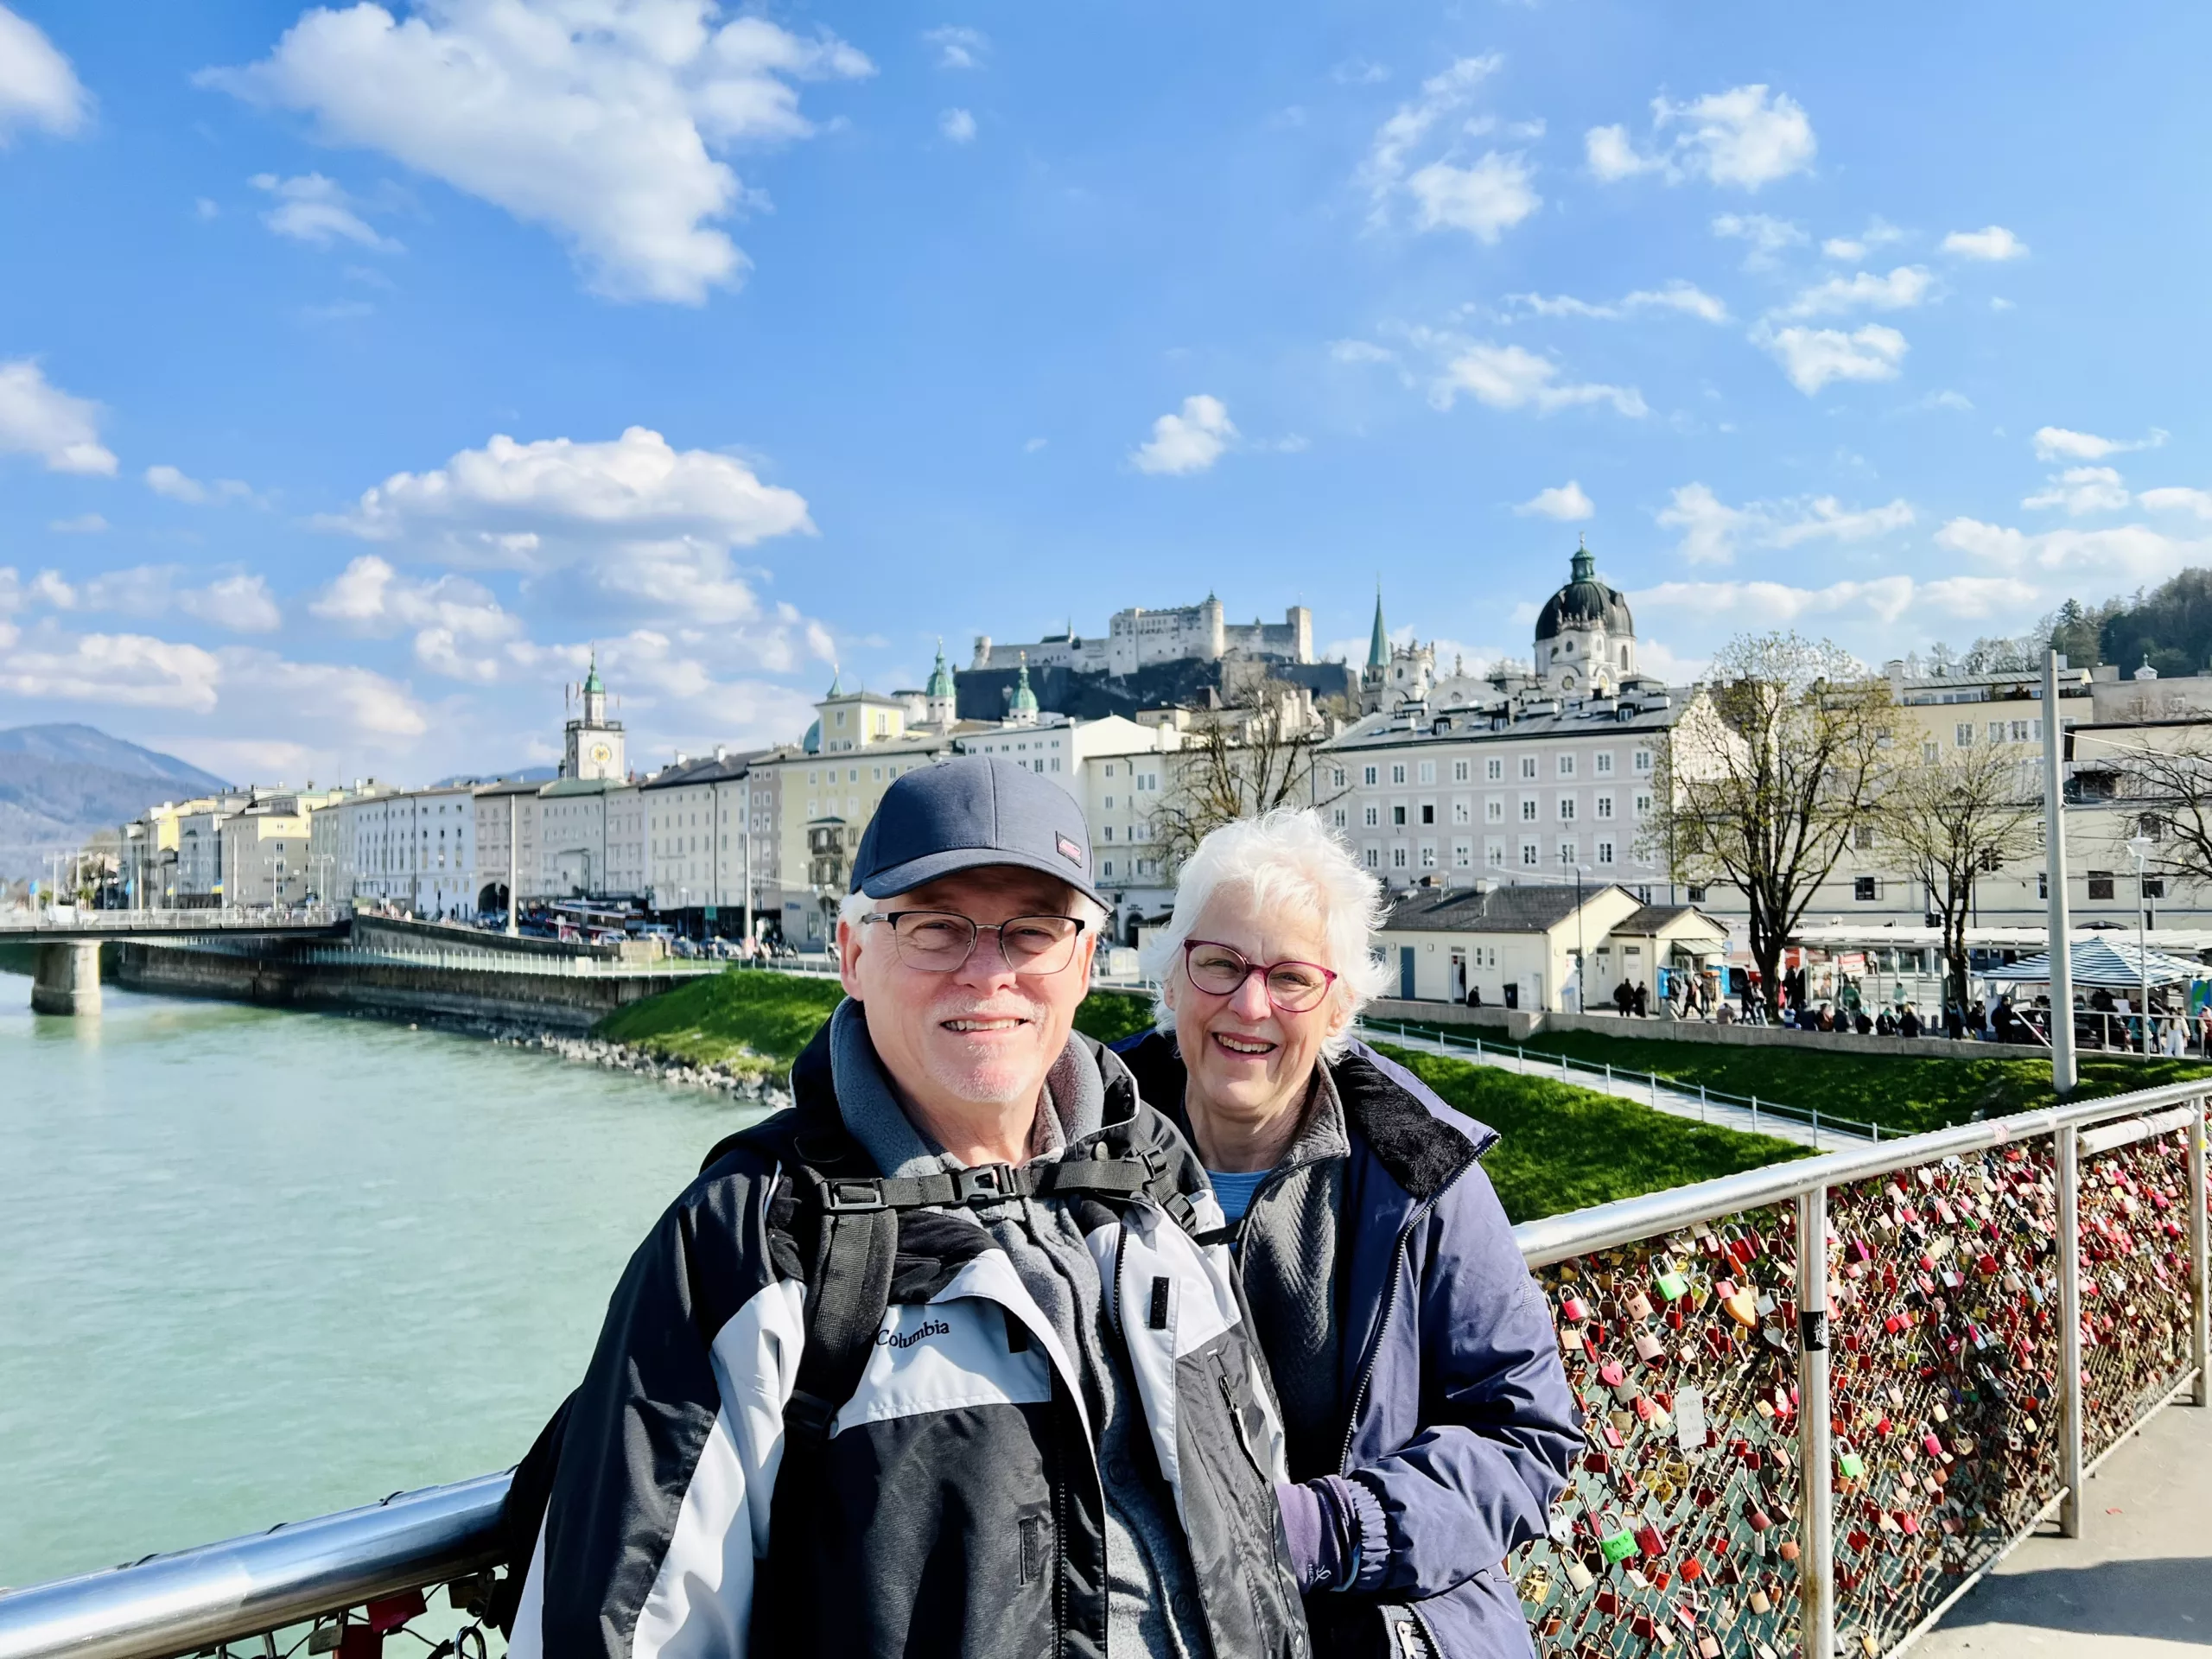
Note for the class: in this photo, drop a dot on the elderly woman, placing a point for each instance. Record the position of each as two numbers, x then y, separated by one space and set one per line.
1428 1419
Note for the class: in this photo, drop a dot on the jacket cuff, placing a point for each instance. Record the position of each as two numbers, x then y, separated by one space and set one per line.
1366 1531
1311 1532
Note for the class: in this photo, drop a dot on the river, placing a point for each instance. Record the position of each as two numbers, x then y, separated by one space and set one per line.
255 1266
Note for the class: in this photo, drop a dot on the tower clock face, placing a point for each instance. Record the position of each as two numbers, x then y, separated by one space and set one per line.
600 752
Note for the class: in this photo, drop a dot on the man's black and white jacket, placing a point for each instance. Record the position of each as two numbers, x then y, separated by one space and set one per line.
959 1509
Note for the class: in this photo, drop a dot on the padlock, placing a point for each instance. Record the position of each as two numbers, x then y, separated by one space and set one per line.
1612 1373
1648 1345
1580 1577
1671 1284
1649 1540
1618 1544
1743 1307
1708 1645
1609 1601
1536 1585
1850 1465
1758 1519
1759 1601
1787 1549
1572 1308
1639 1305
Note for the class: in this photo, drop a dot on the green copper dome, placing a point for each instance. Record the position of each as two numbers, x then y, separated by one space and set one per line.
1025 700
940 676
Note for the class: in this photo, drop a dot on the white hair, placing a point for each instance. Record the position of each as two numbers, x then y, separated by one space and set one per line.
1287 858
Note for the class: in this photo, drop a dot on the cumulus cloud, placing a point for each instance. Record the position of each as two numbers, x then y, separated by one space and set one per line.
1676 296
2080 490
38 418
1564 502
1511 377
1882 600
318 211
958 125
1767 236
1711 532
2058 443
1814 357
1993 243
534 504
1485 196
237 601
600 123
458 624
1360 351
2175 499
1879 233
958 47
1903 289
37 86
1745 137
1189 440
2124 552
166 480
129 669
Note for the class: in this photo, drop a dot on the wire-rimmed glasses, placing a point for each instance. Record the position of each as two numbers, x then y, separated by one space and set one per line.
940 941
1221 970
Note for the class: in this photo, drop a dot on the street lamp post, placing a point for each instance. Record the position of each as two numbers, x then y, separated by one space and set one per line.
1581 955
2140 845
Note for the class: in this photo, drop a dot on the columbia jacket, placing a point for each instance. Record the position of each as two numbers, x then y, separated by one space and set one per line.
1458 1427
956 1508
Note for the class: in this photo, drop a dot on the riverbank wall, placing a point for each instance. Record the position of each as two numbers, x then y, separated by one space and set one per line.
506 996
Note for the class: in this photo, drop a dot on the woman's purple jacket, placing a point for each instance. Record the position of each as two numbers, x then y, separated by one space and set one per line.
1461 1426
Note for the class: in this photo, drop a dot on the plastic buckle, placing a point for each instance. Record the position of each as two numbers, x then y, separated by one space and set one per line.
846 1197
985 1183
809 1414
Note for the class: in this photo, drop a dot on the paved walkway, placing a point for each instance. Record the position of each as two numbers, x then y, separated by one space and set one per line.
1675 1103
2138 1581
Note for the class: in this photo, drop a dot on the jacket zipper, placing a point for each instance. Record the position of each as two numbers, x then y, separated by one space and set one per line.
1383 1324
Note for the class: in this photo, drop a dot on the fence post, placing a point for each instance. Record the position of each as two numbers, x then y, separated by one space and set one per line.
1701 1103
2200 1333
1609 1076
1816 1510
1816 1129
2070 1332
1755 1114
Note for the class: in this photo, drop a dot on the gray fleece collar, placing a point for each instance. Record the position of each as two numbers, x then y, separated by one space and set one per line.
1073 1103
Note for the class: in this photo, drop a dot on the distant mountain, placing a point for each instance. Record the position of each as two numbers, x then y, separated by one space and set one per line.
519 775
60 784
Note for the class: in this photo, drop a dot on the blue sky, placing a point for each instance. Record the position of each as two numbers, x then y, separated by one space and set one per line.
361 368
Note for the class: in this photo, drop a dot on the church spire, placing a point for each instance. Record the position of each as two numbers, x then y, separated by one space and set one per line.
1378 647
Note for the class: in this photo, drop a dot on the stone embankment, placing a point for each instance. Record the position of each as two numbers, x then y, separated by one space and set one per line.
752 1080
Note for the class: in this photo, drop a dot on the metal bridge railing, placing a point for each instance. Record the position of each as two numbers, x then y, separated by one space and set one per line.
1776 1460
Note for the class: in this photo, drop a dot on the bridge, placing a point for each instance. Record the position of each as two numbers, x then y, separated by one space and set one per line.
68 937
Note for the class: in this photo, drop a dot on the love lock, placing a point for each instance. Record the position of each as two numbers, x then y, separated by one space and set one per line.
1615 1542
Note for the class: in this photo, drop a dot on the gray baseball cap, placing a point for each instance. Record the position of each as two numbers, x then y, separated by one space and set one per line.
965 813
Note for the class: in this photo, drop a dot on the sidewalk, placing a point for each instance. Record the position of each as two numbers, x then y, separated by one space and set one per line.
1675 1103
2138 1583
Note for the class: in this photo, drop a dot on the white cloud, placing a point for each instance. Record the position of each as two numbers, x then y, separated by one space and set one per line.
529 504
131 669
1511 377
2125 552
239 602
1903 289
1747 137
958 47
169 481
1564 502
600 122
1843 247
1189 441
1882 601
1814 357
1030 447
1879 233
1677 296
2175 499
37 86
1485 200
457 622
1360 351
1768 236
2082 490
1358 71
317 211
1713 532
2058 443
84 524
1994 243
957 125
39 418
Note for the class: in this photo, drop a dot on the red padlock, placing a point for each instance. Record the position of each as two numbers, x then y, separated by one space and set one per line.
1649 1540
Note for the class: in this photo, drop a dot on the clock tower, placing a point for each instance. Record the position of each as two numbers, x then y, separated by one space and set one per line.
594 742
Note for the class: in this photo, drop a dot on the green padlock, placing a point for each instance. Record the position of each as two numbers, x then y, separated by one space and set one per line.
1852 1465
1617 1545
1671 1284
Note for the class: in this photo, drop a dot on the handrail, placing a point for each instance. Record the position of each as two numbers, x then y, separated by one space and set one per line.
171 1605
168 1605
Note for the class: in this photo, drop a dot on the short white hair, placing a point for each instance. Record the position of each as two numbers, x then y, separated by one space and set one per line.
854 905
1286 859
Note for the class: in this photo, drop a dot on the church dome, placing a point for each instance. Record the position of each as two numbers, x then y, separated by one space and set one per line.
1585 602
813 741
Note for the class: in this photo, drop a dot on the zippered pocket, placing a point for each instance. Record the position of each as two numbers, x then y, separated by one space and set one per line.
1228 1404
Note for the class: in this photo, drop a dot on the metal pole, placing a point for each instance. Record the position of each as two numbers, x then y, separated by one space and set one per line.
2069 1332
2200 1330
2063 1074
514 875
1816 1516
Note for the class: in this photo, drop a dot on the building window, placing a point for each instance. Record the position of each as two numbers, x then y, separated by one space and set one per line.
1336 777
1493 810
1962 735
1462 812
1997 729
2042 885
1429 771
1863 836
1398 858
1106 869
1373 858
1429 855
1459 771
2099 884
1463 854
1494 769
1567 809
1696 895
1528 766
1566 766
1398 772
1567 853
1428 811
1865 888
1529 855
1604 806
1398 815
1339 815
1605 852
1373 814
2154 886
1643 760
1603 760
1493 854
1528 808
1643 806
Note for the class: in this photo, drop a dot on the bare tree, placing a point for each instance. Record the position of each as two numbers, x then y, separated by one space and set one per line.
2161 793
1946 824
1765 777
1258 753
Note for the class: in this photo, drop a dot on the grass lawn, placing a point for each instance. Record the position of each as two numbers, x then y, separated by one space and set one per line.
1906 1093
1564 1147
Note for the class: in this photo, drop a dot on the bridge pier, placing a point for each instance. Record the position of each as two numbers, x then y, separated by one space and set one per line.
66 979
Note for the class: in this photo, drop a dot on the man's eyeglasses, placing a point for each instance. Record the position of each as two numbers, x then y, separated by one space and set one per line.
1221 970
939 940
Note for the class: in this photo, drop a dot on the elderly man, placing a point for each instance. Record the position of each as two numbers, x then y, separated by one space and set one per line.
930 1362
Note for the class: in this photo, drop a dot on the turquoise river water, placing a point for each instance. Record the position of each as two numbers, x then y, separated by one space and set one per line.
256 1266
